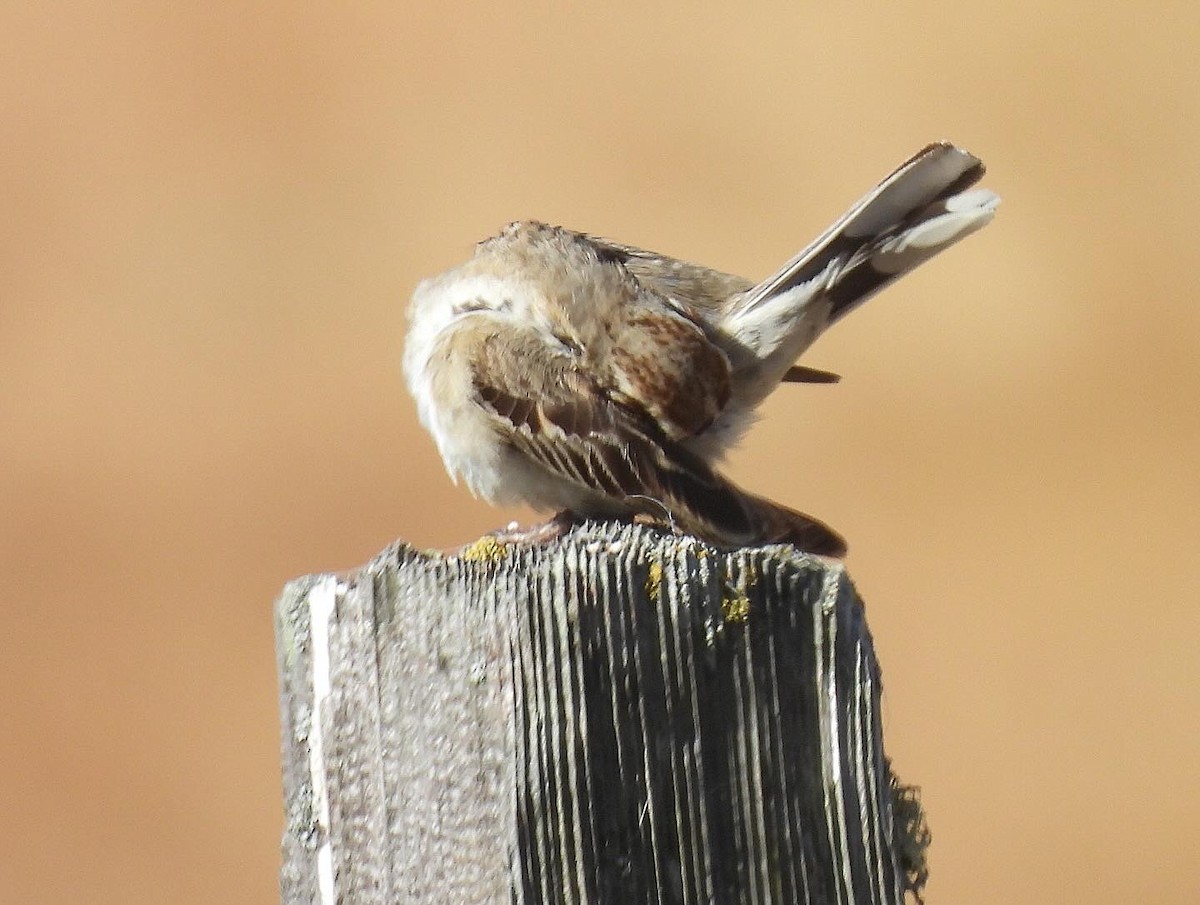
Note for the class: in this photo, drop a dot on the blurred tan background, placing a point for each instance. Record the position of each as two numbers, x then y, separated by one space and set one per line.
211 217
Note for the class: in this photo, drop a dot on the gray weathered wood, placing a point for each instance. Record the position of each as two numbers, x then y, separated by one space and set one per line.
623 716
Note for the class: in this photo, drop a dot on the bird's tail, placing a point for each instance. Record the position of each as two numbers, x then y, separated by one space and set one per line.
782 525
923 207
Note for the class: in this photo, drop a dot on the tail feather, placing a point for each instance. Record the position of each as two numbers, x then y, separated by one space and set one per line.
935 173
923 207
908 244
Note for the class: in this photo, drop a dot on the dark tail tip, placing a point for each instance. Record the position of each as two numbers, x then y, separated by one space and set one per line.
787 526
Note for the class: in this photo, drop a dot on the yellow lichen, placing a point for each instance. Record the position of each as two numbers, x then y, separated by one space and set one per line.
486 549
654 576
735 605
735 601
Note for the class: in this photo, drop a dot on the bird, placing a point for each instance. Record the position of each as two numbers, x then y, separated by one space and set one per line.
573 373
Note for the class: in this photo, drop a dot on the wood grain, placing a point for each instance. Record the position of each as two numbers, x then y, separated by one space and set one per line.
622 716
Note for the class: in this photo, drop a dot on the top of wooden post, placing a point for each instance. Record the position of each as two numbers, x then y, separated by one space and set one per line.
618 716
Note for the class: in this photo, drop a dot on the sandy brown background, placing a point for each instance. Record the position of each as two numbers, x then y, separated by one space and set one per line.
211 217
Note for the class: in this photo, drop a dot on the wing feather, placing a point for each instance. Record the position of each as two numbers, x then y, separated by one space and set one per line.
567 421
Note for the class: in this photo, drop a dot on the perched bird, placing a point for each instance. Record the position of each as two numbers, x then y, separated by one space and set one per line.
574 373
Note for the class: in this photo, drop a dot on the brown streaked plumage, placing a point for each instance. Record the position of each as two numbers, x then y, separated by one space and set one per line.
571 372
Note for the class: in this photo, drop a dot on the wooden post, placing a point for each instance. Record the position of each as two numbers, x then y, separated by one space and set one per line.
622 716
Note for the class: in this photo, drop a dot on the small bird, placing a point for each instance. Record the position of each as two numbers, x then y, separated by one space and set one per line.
570 372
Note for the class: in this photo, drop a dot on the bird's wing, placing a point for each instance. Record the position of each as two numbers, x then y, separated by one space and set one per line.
599 432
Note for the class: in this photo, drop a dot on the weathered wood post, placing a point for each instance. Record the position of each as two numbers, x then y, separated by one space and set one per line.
622 716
